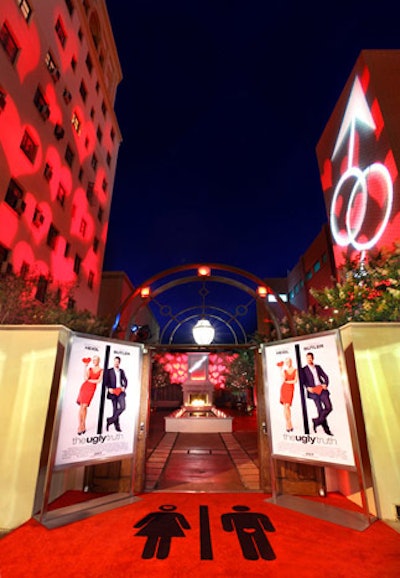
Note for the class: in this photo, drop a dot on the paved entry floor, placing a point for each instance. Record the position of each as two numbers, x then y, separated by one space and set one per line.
218 462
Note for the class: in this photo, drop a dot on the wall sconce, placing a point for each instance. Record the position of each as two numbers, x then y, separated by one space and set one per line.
262 291
204 271
145 292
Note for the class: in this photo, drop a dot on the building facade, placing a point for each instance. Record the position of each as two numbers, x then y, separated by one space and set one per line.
59 142
314 270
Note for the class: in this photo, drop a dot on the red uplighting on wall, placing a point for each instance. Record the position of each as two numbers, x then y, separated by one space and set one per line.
46 108
176 364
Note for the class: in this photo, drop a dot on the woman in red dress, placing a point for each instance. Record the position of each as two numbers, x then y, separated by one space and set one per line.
93 376
289 376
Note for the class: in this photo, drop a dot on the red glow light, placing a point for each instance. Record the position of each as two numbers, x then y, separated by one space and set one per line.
204 271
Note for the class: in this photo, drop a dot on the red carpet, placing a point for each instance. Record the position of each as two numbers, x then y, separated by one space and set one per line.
195 535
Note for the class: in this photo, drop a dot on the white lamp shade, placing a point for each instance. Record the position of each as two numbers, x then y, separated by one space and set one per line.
203 332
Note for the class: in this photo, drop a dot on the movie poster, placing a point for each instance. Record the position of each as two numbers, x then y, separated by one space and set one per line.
100 398
305 388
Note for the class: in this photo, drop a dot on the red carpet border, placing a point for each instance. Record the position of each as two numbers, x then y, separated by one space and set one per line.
201 534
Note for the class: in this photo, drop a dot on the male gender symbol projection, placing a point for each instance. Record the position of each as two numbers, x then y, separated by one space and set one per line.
362 183
358 166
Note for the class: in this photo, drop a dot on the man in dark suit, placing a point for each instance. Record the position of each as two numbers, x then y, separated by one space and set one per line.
315 380
116 383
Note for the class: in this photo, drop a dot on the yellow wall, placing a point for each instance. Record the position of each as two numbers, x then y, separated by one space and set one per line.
376 349
27 361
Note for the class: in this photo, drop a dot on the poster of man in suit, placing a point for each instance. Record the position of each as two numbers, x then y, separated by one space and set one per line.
306 391
99 412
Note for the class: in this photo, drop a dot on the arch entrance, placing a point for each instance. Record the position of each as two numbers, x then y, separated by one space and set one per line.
161 313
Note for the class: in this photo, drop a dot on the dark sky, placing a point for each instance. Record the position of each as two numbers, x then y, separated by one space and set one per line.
221 107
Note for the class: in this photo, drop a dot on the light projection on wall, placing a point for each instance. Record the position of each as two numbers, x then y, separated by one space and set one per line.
176 364
360 177
51 196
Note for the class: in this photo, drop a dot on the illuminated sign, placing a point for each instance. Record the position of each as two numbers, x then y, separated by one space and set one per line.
359 169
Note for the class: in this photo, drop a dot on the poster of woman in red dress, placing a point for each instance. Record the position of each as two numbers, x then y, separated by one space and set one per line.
93 375
289 378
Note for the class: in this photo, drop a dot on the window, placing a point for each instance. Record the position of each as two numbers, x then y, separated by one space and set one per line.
76 123
97 87
89 63
71 304
41 104
73 63
25 9
52 67
41 289
273 299
83 91
61 194
70 6
308 275
92 113
100 214
58 296
9 43
52 236
69 156
77 264
90 192
103 108
48 172
95 244
90 279
101 59
38 217
24 269
83 227
104 185
60 31
86 143
324 258
112 134
59 132
15 197
94 162
3 97
67 96
108 159
67 249
80 174
86 6
29 146
4 254
80 34
317 266
99 134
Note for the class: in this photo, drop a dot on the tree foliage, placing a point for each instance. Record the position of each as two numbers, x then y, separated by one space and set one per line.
366 291
19 306
241 372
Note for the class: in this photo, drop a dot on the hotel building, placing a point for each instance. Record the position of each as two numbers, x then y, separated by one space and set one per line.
59 142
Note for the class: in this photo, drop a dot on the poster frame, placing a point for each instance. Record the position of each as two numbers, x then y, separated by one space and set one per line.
56 517
356 520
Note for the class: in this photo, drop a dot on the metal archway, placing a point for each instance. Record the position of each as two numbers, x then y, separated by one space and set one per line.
171 278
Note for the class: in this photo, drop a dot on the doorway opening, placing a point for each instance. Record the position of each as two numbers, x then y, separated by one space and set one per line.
203 433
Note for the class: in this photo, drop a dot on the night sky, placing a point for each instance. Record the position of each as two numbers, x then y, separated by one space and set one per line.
221 107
